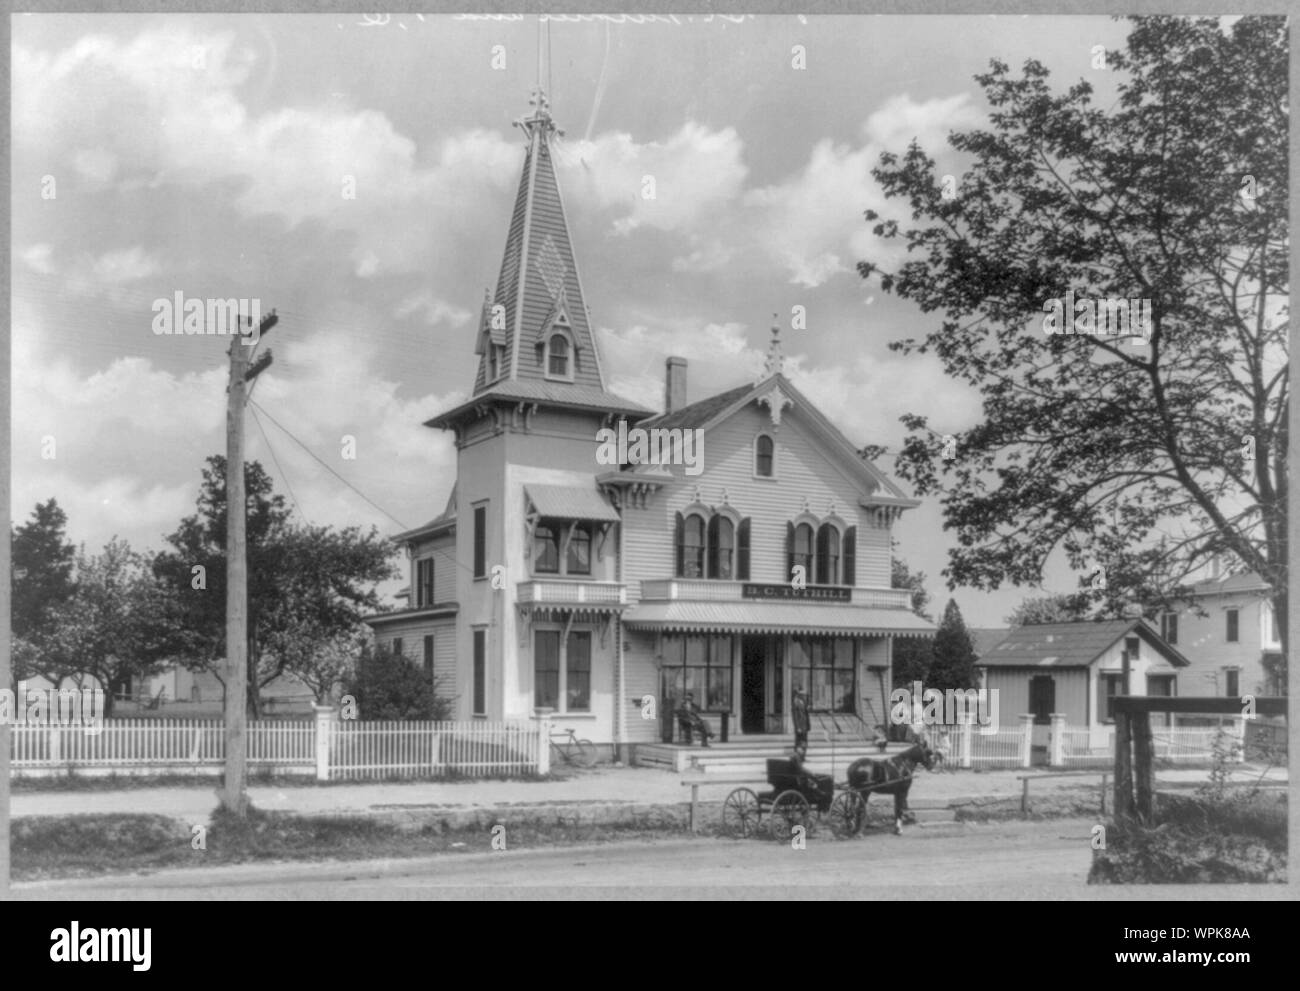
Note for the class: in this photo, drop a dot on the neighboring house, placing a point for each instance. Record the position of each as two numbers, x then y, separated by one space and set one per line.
424 630
565 581
984 640
1077 669
1228 632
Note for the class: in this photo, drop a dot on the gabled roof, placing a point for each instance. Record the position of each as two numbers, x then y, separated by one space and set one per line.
1250 581
1072 645
984 640
709 412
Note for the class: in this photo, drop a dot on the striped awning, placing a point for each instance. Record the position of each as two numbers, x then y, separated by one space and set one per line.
570 502
776 617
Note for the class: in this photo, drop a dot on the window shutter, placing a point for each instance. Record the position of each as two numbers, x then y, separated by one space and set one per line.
711 554
850 555
678 537
742 551
789 550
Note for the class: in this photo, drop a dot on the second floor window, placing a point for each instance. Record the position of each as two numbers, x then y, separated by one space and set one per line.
549 540
1233 616
424 582
480 541
718 548
1231 683
826 556
546 549
1169 626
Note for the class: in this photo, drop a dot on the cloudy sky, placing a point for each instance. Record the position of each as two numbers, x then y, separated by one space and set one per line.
210 155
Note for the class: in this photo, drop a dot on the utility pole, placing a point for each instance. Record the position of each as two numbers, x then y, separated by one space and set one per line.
235 798
6 580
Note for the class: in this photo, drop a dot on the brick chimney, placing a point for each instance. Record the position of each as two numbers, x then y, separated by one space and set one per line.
674 384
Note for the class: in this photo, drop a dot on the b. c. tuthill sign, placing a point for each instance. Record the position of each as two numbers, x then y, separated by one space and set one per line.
826 593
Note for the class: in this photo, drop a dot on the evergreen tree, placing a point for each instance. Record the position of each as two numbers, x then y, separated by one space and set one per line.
954 655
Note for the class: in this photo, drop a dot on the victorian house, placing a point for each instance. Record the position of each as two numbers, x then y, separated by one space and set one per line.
749 556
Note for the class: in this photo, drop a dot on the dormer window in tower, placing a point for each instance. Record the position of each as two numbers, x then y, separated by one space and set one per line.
495 354
559 354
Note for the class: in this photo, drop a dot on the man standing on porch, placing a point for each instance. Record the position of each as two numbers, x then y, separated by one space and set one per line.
799 710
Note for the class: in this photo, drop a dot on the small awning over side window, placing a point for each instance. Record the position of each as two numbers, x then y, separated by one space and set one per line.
570 502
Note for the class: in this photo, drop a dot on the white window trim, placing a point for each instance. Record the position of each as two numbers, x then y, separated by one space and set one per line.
560 329
562 709
776 459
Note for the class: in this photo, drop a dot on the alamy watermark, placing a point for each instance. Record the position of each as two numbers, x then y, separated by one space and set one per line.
948 707
179 315
1113 316
82 707
653 446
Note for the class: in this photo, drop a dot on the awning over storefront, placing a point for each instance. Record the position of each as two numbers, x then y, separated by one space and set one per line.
776 617
570 502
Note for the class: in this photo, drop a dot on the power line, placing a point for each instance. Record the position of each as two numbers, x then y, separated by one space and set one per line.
327 466
280 468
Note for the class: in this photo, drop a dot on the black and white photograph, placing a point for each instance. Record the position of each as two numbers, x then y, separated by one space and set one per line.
668 455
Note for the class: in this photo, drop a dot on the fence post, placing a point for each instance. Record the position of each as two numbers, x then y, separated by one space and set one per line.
544 744
967 724
55 740
1239 739
1056 746
1026 738
324 730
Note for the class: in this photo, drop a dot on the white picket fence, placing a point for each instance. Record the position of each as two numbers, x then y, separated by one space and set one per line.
326 747
432 749
964 745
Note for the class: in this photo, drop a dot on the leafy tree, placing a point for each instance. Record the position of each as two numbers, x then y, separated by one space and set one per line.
912 655
391 686
1148 460
1052 609
308 587
43 560
113 627
954 655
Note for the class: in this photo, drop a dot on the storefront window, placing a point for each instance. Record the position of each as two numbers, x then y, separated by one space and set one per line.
700 665
577 672
825 668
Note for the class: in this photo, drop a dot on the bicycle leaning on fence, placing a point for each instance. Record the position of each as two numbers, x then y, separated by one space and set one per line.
579 753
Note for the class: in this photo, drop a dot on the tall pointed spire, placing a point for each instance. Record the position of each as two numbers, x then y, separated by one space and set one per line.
538 293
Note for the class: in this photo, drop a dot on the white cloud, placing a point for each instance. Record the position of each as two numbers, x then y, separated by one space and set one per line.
150 111
812 223
666 185
433 309
39 258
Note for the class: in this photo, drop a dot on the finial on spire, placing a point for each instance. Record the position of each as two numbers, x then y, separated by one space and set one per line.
775 363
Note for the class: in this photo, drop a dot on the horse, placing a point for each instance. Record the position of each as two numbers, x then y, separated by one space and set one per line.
892 777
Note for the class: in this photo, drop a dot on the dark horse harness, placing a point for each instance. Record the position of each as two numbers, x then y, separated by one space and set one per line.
890 777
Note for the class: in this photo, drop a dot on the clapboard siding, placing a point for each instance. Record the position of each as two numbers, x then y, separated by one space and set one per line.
873 653
442 549
804 471
642 675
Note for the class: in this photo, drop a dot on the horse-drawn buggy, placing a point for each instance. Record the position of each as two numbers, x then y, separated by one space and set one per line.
798 798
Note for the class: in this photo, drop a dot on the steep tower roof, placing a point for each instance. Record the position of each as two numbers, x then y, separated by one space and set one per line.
538 299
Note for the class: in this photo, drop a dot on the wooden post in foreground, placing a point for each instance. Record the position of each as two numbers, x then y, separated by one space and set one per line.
1123 766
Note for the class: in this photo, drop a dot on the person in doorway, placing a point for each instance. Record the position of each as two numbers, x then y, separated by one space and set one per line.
799 710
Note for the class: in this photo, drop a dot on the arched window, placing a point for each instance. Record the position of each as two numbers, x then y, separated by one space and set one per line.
690 546
764 456
722 548
558 356
802 553
828 555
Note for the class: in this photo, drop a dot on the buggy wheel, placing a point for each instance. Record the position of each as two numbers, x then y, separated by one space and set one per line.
846 814
583 753
740 814
789 810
